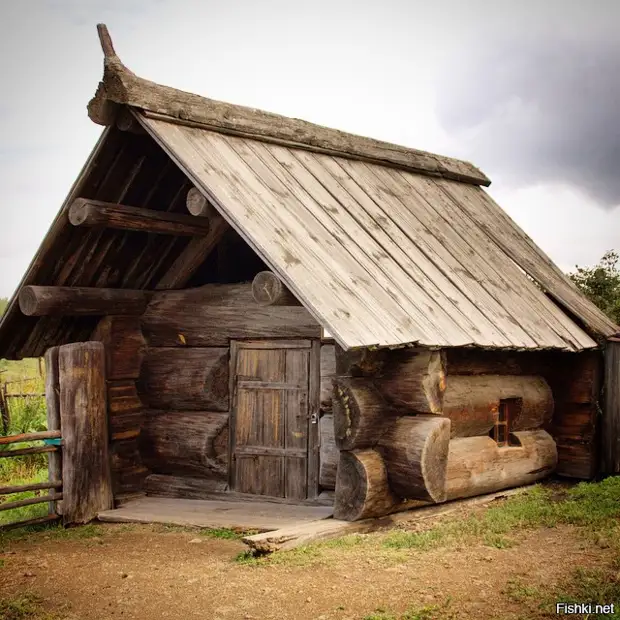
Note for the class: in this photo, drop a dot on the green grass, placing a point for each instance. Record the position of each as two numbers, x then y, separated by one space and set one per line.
25 607
441 611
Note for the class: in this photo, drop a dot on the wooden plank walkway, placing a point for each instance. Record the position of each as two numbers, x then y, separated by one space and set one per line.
263 516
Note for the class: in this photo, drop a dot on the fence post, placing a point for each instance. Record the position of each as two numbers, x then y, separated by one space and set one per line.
52 405
87 485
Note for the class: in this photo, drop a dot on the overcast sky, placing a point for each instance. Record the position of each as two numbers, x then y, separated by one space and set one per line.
529 91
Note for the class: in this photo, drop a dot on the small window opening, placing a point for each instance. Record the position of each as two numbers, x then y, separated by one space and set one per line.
507 411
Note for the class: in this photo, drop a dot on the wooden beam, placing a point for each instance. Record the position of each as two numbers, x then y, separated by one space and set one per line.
23 437
198 205
269 290
193 256
52 497
611 413
97 214
22 488
81 301
24 451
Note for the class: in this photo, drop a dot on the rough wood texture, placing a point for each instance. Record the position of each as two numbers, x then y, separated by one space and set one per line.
87 486
611 413
203 323
477 465
52 405
125 409
328 371
98 214
80 301
198 205
415 380
125 346
472 402
362 488
415 451
186 379
317 531
22 437
121 86
361 414
360 362
269 290
21 488
128 469
193 256
183 486
329 455
193 443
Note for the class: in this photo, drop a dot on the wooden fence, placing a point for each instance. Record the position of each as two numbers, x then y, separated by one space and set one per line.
54 486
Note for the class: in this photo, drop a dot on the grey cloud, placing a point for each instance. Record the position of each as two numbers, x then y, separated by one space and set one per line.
543 108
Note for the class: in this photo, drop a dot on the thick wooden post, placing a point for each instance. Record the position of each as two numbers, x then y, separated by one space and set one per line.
611 413
87 486
52 403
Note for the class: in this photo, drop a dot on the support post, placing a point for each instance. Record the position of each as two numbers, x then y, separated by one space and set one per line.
87 486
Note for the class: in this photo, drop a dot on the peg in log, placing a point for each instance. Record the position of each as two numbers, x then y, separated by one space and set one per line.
360 413
415 451
269 290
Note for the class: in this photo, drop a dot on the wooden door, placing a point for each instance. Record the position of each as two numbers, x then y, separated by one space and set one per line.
272 418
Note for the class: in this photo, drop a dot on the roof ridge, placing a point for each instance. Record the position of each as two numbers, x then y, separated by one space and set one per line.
120 86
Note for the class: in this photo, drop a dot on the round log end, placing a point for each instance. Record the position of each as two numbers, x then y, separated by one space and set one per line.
28 303
435 459
78 212
362 489
269 290
197 204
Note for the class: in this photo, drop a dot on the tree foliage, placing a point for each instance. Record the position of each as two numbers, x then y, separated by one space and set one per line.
4 302
601 284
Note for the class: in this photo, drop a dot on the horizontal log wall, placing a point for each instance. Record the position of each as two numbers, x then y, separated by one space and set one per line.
125 348
575 382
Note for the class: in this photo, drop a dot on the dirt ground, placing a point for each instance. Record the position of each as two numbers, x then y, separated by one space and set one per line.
147 573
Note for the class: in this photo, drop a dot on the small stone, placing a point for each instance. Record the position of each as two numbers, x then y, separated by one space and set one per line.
195 541
124 575
309 599
194 580
28 574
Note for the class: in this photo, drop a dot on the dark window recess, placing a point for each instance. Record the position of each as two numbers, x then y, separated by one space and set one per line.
508 410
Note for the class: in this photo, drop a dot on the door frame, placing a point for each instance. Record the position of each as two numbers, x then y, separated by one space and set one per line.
314 403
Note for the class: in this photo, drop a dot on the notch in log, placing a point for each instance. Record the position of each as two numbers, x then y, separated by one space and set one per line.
97 214
269 290
80 301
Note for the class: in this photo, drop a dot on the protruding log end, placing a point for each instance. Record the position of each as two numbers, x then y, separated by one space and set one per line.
197 204
269 290
78 212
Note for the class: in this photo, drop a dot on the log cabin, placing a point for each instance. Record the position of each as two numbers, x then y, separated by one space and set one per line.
283 311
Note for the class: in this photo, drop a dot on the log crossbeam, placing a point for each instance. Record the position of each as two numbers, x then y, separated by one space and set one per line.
97 214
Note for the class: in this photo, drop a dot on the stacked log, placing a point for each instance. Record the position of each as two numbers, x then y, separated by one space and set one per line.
471 402
329 453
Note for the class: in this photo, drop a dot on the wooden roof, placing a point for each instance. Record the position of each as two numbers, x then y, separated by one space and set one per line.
384 245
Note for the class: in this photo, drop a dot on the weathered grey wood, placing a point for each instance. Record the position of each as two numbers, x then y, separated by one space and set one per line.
27 522
477 465
415 452
472 402
52 497
314 411
121 86
269 290
214 513
80 301
23 437
204 325
361 414
362 488
611 413
87 485
186 379
125 346
193 256
98 214
328 371
21 488
415 380
23 451
198 205
183 486
318 531
193 443
330 455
